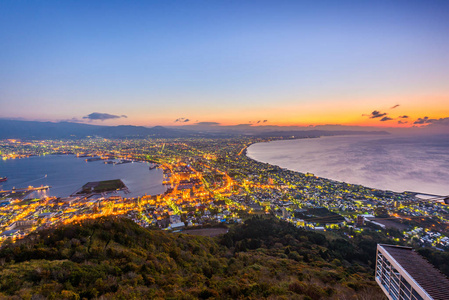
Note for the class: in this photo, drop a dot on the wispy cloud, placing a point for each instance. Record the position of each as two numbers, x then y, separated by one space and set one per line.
376 114
386 119
258 122
397 105
437 122
403 117
424 120
96 116
182 120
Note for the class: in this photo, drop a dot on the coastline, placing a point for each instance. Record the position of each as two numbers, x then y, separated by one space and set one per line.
282 162
64 180
245 152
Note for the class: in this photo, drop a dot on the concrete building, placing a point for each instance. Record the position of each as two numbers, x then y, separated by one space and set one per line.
403 274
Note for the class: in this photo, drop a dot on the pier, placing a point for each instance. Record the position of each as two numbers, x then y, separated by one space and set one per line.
30 188
433 197
424 194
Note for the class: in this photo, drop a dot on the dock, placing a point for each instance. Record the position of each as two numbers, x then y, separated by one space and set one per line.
30 188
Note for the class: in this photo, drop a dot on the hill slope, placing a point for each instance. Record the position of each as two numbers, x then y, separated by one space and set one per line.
115 258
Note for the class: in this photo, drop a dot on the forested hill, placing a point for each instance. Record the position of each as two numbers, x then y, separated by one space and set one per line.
115 258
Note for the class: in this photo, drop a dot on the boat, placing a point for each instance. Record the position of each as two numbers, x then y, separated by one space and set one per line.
3 179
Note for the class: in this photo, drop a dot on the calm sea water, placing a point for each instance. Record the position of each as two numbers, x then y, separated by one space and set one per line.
419 164
67 173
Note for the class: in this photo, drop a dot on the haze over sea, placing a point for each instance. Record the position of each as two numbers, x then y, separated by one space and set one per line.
396 163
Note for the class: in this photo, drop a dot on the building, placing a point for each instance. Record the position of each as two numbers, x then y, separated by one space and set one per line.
403 274
360 221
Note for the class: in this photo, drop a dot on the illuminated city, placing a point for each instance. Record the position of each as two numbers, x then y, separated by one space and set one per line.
209 181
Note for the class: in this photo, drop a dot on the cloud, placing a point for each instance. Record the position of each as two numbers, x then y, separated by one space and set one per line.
397 105
208 123
424 120
442 121
432 122
182 120
102 116
376 114
385 119
258 122
403 117
402 122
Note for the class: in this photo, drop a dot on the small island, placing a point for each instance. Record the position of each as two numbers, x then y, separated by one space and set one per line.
102 186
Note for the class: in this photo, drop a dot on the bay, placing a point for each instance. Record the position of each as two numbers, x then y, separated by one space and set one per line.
67 173
397 163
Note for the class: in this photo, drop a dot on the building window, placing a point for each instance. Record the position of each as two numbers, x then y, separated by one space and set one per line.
416 296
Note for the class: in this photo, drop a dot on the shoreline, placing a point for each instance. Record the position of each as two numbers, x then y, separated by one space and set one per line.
419 194
302 173
71 187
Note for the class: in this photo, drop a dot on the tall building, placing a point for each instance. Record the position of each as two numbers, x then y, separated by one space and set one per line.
403 274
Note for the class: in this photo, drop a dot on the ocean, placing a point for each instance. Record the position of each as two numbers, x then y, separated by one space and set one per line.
67 173
396 163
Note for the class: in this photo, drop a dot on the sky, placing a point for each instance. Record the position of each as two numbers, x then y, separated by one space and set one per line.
279 63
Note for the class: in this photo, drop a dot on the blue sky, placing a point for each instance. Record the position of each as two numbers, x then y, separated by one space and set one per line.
290 62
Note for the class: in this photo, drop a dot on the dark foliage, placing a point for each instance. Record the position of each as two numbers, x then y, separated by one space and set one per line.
115 258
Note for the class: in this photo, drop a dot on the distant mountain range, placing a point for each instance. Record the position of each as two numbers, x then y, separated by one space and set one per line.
15 129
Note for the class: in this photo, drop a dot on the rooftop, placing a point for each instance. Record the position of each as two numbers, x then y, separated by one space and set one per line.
427 276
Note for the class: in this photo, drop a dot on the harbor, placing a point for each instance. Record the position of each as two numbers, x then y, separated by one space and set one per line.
67 173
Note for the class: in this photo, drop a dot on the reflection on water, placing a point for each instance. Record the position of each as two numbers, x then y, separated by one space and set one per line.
67 173
400 164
